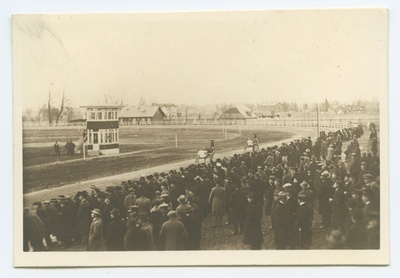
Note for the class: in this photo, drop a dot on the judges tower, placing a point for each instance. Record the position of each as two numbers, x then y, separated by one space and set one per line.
102 129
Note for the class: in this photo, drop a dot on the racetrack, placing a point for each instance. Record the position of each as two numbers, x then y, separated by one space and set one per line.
114 179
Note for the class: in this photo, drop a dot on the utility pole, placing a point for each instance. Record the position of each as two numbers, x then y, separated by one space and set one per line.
317 121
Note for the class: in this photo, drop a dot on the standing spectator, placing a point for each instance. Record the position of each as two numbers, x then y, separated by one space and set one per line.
325 193
182 208
237 205
252 232
71 148
130 199
173 234
303 223
339 206
281 219
57 149
217 200
41 212
96 239
116 232
33 232
52 213
143 203
83 218
67 148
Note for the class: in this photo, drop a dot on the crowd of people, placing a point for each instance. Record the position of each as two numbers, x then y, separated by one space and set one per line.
299 186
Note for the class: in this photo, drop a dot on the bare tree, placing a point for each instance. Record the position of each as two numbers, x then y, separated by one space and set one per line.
62 106
49 109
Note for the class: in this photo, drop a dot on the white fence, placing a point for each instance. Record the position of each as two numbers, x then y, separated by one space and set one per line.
285 122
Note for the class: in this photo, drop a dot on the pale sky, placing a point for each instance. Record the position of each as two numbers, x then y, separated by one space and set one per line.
202 57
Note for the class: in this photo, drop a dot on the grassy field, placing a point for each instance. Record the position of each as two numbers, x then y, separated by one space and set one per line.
42 169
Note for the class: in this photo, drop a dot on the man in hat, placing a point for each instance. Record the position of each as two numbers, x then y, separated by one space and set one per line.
303 223
67 216
237 209
243 170
32 231
369 205
146 232
52 214
339 206
41 212
83 219
173 235
116 232
143 203
374 187
252 230
130 199
325 192
292 206
217 200
96 238
182 208
282 222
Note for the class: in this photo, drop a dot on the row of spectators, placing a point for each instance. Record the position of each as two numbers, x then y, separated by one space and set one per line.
299 186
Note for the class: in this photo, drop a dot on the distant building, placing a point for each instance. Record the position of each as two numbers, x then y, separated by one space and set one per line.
169 109
132 115
238 112
270 109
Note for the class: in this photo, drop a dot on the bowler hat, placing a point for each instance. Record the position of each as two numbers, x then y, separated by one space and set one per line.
182 198
172 213
96 211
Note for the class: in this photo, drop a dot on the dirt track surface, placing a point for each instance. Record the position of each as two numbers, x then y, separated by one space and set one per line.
101 183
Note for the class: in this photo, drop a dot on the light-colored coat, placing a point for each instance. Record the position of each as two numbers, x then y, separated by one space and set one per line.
217 200
173 235
96 238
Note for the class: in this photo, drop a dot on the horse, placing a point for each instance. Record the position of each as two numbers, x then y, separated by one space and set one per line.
206 153
252 143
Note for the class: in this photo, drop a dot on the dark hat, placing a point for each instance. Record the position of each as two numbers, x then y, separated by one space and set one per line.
61 197
172 213
37 203
110 189
304 184
53 200
96 211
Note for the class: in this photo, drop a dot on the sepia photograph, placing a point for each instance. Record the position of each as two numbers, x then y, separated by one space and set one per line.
201 138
